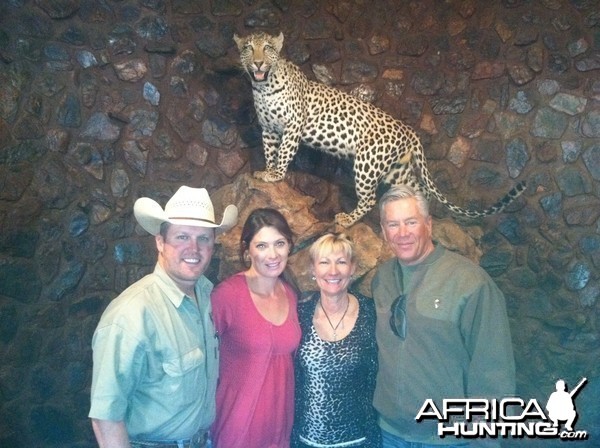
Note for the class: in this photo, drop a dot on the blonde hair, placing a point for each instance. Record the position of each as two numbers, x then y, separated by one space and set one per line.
331 243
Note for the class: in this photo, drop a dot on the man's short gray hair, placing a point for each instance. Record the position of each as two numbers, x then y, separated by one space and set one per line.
397 192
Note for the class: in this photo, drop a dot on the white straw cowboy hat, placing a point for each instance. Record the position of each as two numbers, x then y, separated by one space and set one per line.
188 207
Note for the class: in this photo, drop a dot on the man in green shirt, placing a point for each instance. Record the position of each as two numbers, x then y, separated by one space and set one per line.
442 328
155 349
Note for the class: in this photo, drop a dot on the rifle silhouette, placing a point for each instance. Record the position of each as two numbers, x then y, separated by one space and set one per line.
579 386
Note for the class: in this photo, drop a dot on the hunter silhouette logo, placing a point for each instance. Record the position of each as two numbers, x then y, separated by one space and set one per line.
560 404
509 417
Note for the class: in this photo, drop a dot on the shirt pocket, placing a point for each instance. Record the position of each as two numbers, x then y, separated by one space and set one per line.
186 363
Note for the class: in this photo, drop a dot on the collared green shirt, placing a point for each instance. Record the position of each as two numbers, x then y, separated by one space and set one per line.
156 360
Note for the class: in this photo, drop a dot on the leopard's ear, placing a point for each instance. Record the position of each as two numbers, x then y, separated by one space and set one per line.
278 41
239 41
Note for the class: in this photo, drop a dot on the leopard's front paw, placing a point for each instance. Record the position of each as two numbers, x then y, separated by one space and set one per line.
344 219
268 176
261 175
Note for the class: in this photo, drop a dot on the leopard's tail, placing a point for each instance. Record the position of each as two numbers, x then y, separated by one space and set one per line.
427 185
498 207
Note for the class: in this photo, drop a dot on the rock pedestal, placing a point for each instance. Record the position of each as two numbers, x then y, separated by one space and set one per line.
371 250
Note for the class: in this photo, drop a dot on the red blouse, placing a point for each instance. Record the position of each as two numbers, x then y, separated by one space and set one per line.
255 394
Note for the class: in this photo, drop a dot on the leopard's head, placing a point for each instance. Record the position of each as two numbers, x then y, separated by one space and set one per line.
259 54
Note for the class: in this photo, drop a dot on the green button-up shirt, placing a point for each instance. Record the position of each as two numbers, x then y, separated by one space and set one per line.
156 360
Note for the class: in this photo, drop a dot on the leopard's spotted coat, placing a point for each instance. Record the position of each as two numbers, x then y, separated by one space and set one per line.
292 109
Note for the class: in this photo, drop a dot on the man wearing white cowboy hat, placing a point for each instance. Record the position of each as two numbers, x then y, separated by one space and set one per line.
155 348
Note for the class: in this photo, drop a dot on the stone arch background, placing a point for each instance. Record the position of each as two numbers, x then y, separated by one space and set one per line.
102 102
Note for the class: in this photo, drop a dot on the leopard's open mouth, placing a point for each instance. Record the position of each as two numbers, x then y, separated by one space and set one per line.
260 76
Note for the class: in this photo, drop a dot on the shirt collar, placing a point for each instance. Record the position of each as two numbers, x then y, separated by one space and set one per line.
171 290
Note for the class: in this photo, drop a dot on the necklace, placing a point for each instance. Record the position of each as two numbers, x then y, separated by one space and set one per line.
339 322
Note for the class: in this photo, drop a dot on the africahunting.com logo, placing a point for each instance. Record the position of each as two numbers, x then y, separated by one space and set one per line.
509 417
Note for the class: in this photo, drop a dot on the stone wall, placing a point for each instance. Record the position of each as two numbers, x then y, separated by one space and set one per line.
104 101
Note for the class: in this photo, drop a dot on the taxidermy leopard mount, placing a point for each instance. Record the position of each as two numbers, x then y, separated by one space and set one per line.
292 109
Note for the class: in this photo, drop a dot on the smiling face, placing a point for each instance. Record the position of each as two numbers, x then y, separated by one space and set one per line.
184 252
268 251
406 230
333 272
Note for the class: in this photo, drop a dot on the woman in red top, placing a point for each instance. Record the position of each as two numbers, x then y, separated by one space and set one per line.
255 317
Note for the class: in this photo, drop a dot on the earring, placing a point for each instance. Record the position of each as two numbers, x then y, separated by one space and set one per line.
313 278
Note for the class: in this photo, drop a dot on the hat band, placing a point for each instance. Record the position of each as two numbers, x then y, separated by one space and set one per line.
191 219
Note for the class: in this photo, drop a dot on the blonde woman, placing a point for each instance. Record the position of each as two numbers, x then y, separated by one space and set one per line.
336 363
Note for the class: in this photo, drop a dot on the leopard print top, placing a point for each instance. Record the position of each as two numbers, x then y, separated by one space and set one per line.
335 382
